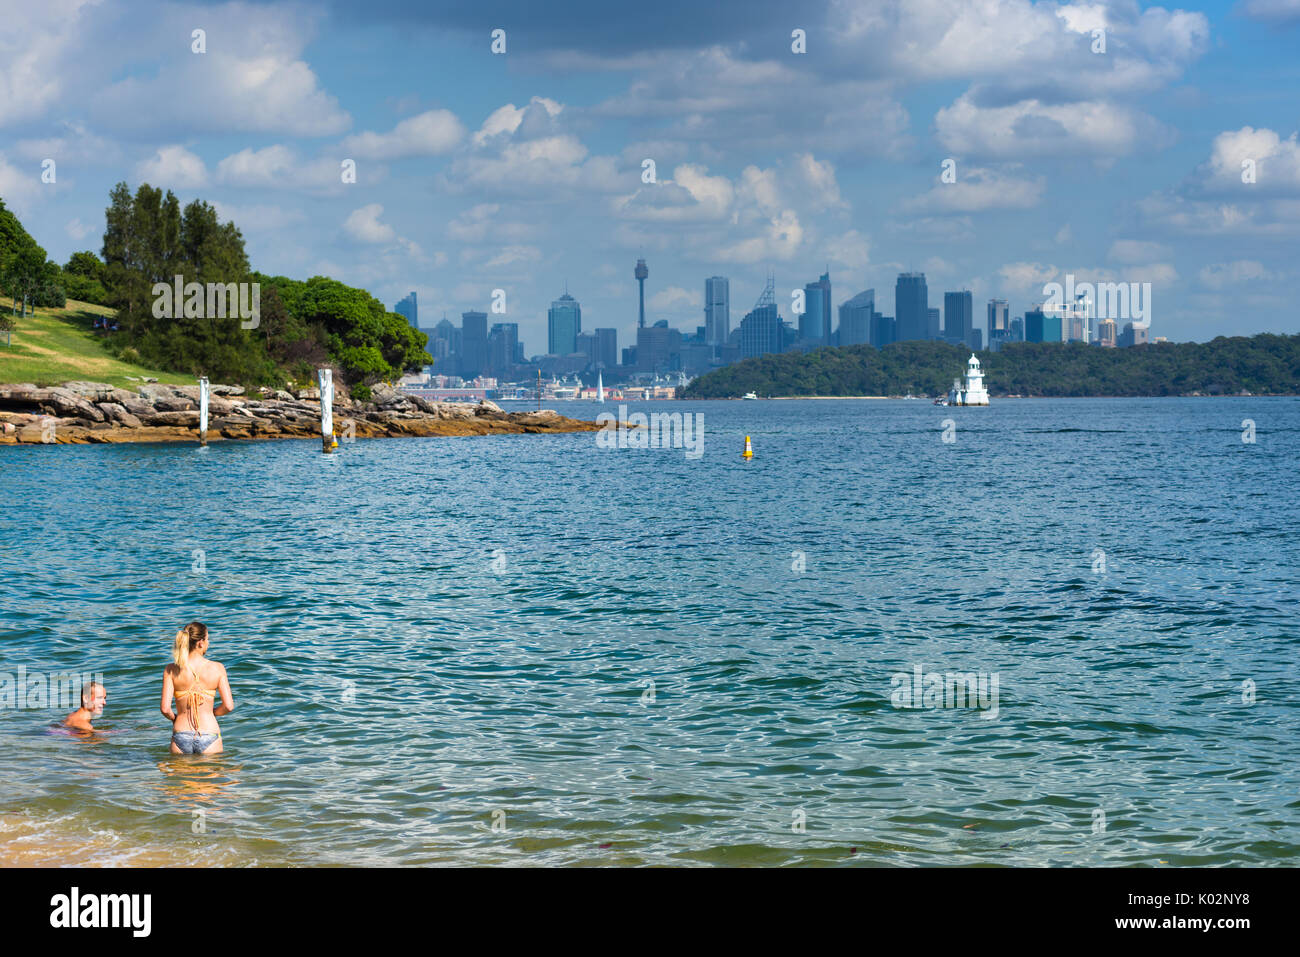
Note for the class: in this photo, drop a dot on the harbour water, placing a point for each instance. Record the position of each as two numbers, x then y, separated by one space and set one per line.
522 650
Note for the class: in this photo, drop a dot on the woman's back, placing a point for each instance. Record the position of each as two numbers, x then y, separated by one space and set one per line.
196 687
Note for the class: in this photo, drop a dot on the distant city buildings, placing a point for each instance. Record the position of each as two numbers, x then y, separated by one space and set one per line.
474 354
563 324
717 310
407 308
911 307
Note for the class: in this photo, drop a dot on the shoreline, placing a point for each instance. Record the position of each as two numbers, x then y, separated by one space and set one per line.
96 413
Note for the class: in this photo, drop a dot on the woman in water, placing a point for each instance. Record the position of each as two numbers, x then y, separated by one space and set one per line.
194 681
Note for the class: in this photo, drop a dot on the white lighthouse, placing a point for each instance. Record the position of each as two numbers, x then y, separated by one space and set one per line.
974 393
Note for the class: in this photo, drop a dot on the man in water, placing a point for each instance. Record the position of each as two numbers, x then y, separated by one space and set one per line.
93 697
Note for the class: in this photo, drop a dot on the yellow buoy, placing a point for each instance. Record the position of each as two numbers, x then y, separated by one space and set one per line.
749 449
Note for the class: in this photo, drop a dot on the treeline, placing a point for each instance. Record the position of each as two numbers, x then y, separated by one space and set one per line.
1264 363
149 239
32 280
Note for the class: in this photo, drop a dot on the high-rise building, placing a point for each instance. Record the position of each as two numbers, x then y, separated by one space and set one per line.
932 328
407 308
1133 335
502 347
815 323
882 330
587 346
606 356
658 348
1043 326
999 323
760 330
717 310
563 323
855 319
1106 333
959 317
641 272
1017 330
911 306
473 335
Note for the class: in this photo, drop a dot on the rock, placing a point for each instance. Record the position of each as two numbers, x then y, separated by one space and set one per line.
307 394
94 391
166 398
70 405
485 406
120 415
186 419
226 389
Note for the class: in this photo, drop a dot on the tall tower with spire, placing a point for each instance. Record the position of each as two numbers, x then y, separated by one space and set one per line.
641 273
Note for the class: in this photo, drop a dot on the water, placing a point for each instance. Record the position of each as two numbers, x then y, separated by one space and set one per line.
429 636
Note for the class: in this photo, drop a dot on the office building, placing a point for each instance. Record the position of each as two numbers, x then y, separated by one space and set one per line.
855 319
911 307
563 323
408 309
815 323
717 310
1043 326
959 318
1133 335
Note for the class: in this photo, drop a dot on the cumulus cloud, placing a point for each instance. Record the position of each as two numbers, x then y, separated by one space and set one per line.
364 226
1219 275
1031 127
429 134
173 167
977 189
676 299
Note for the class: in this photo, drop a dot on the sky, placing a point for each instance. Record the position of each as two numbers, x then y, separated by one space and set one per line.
1109 141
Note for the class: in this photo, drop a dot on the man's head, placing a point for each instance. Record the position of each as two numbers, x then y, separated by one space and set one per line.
93 696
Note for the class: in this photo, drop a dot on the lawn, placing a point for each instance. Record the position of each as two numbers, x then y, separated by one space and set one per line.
58 345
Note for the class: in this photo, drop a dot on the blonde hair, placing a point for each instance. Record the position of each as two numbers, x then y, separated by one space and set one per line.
186 640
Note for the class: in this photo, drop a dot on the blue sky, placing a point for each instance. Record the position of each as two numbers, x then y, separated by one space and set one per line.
522 171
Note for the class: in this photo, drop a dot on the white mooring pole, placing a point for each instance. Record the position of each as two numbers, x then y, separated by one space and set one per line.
326 379
203 411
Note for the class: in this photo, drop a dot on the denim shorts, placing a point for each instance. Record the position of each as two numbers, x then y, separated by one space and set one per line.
191 742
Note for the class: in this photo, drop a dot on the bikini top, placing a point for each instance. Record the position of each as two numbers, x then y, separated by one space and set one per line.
195 695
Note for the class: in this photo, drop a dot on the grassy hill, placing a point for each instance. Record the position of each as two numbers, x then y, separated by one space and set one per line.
58 345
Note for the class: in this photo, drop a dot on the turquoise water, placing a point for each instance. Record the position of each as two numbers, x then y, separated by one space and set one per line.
429 636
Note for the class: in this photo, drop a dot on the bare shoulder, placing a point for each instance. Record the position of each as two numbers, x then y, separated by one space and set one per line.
171 670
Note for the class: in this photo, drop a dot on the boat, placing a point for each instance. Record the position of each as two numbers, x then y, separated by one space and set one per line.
750 395
942 400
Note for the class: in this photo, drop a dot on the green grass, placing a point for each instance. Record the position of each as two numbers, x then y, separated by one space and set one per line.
59 345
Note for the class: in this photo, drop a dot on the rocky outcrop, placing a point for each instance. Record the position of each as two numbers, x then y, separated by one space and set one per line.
81 412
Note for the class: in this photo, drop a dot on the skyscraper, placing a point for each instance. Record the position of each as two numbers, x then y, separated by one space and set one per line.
1043 326
815 323
606 356
999 323
959 317
473 344
641 272
932 330
503 342
1106 333
911 307
408 309
760 330
563 323
717 310
855 318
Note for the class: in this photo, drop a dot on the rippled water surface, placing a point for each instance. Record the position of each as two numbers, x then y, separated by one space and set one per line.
613 652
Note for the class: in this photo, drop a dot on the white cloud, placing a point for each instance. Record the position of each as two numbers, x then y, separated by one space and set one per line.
78 230
173 167
253 77
1219 275
1277 161
851 249
1272 11
977 189
364 226
780 238
507 119
675 299
429 134
1137 251
1031 127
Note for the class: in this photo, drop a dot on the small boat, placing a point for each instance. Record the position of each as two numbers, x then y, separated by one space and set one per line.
942 400
750 395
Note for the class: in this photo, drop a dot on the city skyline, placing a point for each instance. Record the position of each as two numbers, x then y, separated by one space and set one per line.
993 173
